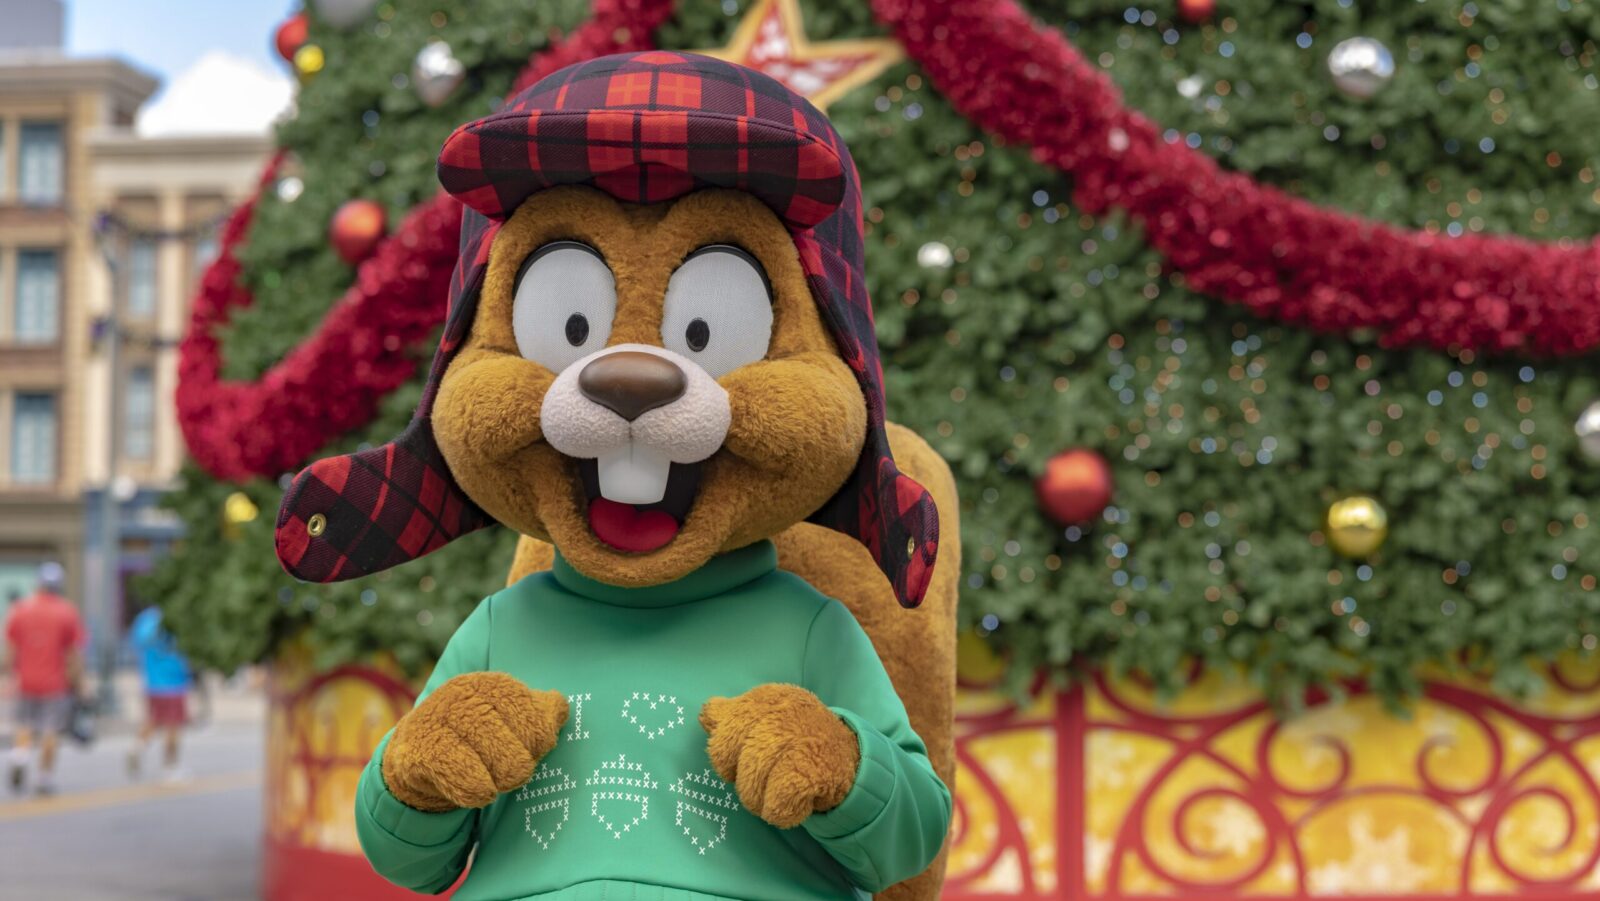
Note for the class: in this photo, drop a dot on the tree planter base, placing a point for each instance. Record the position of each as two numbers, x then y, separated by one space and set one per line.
1100 793
321 729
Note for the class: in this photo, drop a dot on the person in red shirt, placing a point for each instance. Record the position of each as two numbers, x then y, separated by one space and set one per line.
45 636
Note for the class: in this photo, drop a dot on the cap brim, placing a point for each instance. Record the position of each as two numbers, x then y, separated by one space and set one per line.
641 156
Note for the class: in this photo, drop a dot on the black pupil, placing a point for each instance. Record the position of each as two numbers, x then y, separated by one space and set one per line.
577 329
698 334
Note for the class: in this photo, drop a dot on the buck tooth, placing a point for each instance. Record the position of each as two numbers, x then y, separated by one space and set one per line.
633 474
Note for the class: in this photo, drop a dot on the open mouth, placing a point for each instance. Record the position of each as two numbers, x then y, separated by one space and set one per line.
639 528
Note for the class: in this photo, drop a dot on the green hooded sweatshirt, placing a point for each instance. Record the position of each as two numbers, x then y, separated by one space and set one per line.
627 805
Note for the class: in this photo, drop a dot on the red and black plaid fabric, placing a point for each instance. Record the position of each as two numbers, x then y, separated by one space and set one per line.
380 508
645 128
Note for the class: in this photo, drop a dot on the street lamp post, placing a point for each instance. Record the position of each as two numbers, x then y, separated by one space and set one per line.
103 611
112 235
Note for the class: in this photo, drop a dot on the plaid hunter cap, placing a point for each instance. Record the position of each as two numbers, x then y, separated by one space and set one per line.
645 128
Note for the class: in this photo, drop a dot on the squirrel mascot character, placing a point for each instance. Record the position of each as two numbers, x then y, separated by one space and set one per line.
659 366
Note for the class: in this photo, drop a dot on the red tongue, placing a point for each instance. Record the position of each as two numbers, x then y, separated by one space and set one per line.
629 529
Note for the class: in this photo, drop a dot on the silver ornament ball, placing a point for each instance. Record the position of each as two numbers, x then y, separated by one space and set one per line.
290 188
1588 430
935 255
1361 66
436 73
344 13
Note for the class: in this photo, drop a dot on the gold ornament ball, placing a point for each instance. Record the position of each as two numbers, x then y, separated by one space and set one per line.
308 61
239 508
1357 526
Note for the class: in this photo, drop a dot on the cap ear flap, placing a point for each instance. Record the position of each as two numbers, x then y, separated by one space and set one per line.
355 515
914 531
358 514
890 513
466 286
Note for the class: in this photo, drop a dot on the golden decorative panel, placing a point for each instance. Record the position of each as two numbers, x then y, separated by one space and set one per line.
1102 793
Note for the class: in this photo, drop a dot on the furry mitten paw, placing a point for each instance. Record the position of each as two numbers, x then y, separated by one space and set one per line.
783 750
476 736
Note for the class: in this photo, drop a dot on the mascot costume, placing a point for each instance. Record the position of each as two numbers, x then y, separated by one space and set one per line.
659 367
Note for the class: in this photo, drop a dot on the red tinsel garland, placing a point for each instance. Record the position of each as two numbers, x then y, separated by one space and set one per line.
1282 257
332 382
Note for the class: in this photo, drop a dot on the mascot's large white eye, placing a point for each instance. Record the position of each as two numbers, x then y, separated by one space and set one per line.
565 299
718 310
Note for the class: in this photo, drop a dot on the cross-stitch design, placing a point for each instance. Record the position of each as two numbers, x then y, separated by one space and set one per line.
577 732
703 810
548 789
622 786
661 713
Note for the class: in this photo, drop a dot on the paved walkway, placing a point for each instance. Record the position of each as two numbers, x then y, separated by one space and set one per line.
104 837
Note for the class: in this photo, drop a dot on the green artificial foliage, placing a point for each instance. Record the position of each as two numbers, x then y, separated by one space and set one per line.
1229 436
359 132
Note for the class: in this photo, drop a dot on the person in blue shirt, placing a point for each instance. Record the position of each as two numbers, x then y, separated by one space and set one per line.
167 678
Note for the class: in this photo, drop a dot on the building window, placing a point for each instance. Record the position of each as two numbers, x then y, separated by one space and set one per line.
38 297
33 439
39 163
205 250
139 413
142 277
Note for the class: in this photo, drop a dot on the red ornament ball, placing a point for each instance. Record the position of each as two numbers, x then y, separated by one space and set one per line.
1076 486
291 35
356 229
1196 11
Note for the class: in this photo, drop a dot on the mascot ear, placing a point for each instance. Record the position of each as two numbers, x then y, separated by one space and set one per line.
355 515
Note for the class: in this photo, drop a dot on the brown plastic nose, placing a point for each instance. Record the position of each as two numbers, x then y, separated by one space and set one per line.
631 383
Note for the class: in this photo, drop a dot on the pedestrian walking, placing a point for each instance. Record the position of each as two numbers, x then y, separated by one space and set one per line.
44 641
167 678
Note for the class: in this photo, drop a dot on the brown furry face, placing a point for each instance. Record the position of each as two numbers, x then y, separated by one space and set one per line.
531 376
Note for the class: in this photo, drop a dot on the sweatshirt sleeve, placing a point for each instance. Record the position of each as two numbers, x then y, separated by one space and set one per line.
892 823
420 851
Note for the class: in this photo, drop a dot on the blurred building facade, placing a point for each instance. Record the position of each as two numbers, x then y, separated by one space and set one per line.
160 203
48 107
70 163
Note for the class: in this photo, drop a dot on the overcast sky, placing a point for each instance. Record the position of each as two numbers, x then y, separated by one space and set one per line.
218 69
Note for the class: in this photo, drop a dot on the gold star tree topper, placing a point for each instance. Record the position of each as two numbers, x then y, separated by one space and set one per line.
771 39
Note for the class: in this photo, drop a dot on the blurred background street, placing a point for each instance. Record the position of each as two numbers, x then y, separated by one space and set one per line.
104 836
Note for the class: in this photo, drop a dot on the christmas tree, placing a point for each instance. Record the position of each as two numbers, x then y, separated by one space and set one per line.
1288 370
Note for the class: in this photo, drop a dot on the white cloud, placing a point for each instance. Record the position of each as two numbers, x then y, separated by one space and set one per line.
219 94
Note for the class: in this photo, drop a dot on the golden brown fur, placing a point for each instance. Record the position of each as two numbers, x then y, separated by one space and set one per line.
476 736
775 467
786 754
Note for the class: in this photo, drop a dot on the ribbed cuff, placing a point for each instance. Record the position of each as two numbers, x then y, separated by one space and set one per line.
417 828
873 790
